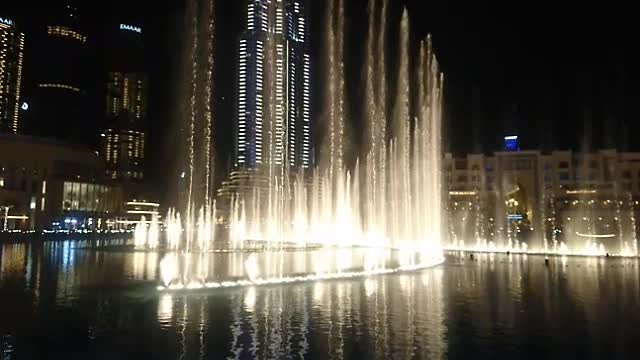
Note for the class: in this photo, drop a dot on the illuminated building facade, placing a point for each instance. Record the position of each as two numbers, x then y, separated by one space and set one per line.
123 141
58 91
49 184
274 86
11 58
551 194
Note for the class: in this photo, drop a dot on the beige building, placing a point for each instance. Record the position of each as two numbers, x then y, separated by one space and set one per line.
496 196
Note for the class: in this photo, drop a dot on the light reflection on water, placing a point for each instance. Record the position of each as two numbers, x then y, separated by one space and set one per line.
103 302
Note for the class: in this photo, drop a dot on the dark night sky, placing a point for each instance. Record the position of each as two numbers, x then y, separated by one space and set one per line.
560 76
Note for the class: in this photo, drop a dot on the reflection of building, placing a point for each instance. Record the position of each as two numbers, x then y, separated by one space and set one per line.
58 99
535 190
49 184
11 54
274 86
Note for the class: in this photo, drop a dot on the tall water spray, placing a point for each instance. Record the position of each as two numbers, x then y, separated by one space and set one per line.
381 215
198 130
375 111
335 94
401 168
198 202
390 199
195 200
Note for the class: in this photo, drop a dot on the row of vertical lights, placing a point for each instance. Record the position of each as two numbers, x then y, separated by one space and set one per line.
249 146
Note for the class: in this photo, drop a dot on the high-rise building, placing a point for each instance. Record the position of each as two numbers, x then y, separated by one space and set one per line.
11 55
124 136
274 80
58 90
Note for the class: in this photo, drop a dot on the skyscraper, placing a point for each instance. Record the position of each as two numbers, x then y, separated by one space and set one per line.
61 71
274 80
124 138
11 53
123 142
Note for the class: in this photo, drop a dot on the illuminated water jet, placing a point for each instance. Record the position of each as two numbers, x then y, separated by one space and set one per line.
380 215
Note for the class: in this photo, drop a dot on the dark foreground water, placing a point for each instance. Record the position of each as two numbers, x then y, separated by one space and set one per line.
61 303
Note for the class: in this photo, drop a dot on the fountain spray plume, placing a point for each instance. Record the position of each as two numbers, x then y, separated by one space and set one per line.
336 87
381 121
147 233
197 201
395 217
208 99
401 135
335 209
375 111
140 233
192 11
370 109
340 107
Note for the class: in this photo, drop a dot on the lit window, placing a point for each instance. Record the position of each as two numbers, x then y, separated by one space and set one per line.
63 31
59 86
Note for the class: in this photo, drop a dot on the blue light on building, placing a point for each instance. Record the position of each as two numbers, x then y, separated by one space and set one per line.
511 143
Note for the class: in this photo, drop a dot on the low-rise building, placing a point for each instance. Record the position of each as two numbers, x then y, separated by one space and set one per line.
46 184
548 195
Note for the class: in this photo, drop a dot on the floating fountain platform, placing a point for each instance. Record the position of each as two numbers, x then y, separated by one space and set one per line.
202 271
589 250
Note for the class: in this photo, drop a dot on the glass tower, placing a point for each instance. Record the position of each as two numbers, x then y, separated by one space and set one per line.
11 54
274 79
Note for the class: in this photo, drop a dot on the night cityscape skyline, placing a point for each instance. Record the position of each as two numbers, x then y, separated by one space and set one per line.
503 81
271 179
546 96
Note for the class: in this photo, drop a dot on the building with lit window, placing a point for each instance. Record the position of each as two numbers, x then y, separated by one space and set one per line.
550 195
60 77
47 184
123 141
140 211
11 58
274 84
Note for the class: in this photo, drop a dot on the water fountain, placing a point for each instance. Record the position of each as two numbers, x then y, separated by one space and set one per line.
584 222
378 216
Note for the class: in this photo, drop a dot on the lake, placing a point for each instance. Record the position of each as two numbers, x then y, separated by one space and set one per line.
60 300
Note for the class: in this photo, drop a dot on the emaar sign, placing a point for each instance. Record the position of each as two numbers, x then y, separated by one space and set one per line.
130 28
6 21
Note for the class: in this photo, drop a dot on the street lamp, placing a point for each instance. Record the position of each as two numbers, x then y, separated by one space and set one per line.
6 216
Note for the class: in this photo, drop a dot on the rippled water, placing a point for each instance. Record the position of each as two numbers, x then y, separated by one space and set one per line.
57 301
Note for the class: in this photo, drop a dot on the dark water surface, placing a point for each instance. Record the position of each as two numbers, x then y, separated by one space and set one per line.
60 303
